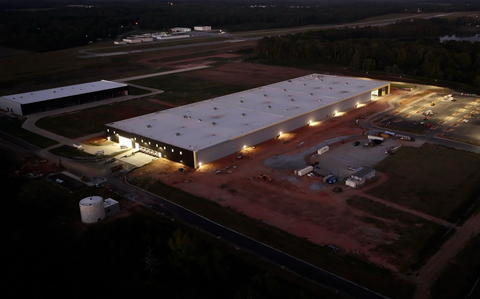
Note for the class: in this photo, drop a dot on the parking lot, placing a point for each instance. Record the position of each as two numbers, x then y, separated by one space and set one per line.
456 117
343 156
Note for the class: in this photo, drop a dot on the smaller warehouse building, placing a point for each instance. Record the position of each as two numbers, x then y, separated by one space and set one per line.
360 176
41 100
202 28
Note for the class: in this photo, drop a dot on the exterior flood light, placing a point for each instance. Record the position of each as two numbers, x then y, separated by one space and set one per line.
280 134
199 164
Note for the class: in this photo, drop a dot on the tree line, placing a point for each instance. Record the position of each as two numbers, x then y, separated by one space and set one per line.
60 24
410 47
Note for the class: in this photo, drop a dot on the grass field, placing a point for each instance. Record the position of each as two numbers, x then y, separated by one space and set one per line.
14 127
91 120
415 238
181 89
437 181
69 152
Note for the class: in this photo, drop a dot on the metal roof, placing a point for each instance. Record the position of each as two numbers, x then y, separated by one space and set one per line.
62 92
203 124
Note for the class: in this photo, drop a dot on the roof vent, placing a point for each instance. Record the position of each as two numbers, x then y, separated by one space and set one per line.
214 123
199 120
330 88
292 100
264 95
346 83
243 114
311 94
284 90
304 84
241 101
177 134
214 108
185 116
269 106
149 126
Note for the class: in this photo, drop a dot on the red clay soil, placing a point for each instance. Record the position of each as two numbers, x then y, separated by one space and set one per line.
286 202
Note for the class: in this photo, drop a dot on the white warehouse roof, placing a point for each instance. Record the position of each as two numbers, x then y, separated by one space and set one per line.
61 92
203 124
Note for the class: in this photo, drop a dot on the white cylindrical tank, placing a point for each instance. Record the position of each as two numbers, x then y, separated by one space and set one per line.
92 209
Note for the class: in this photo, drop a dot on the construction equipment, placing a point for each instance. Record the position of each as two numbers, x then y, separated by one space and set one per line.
265 177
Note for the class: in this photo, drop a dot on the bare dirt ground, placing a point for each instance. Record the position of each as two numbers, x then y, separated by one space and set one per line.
299 205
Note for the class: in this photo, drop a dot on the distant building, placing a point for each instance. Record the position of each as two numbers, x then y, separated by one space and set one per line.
202 28
41 100
205 131
179 30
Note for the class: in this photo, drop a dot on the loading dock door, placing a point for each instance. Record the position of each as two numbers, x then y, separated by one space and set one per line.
125 141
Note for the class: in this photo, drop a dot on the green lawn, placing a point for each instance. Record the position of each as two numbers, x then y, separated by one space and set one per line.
437 181
181 89
69 152
92 120
13 127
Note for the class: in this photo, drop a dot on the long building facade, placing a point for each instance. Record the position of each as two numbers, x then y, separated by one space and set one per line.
54 98
206 131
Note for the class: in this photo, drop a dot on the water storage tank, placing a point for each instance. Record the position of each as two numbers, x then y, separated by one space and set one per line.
91 209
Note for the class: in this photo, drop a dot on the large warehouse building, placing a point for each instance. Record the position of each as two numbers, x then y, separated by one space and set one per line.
41 100
203 132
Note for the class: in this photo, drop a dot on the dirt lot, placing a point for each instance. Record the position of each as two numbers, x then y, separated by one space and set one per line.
302 206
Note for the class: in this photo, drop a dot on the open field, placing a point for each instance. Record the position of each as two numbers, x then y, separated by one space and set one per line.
462 272
69 152
13 126
437 181
415 238
180 89
88 121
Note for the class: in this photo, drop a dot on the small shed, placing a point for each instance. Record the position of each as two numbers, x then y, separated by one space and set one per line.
363 174
351 183
111 207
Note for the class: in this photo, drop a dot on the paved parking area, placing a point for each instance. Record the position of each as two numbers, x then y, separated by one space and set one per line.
342 155
67 181
458 118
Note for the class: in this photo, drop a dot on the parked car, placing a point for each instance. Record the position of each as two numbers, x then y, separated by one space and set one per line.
351 168
356 143
111 160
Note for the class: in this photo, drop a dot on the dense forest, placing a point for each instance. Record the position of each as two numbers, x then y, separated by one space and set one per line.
53 25
410 47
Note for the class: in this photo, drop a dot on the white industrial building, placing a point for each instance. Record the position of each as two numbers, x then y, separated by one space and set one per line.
41 100
205 131
202 28
360 176
180 30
